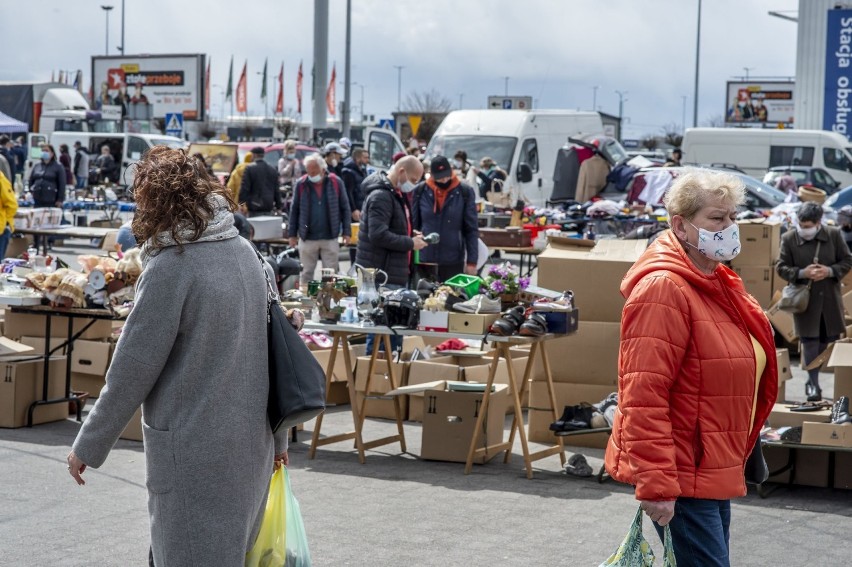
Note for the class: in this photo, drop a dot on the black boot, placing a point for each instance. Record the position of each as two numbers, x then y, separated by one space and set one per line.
840 411
813 393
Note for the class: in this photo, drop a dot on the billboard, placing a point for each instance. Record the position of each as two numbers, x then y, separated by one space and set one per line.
838 59
168 83
765 102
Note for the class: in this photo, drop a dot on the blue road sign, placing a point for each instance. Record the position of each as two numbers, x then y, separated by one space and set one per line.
387 123
174 124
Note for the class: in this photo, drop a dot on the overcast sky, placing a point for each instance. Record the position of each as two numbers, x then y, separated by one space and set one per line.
552 50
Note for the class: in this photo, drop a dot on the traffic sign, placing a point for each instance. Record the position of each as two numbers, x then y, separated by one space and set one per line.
387 123
174 124
510 102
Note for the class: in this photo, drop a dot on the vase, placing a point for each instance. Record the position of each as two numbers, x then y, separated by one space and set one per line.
508 300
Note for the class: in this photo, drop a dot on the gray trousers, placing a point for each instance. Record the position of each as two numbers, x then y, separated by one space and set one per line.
312 251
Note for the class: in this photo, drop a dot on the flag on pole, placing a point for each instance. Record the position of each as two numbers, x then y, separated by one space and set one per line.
78 81
207 87
279 104
299 90
52 76
242 94
330 93
263 88
61 76
229 92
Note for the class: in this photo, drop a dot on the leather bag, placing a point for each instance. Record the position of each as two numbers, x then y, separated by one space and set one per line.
756 469
795 297
296 379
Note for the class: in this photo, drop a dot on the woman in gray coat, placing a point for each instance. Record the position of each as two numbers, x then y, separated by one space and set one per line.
823 321
193 353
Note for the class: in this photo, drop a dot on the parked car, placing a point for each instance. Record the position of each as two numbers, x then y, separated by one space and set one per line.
804 175
276 150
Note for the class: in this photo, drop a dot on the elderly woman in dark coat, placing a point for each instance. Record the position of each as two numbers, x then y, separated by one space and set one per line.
816 254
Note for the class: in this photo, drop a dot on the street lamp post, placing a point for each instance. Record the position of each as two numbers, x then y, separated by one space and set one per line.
621 100
356 84
506 86
683 116
121 49
747 69
461 101
107 10
399 69
595 97
697 56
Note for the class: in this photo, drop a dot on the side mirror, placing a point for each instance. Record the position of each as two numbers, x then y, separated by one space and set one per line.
837 183
525 173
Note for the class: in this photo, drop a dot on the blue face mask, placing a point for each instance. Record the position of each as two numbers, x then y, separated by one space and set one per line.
45 156
291 156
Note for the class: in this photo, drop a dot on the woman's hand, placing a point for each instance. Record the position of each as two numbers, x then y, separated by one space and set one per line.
76 468
817 272
660 512
281 459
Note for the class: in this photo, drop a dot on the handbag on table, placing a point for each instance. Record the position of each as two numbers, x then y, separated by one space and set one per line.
296 379
795 297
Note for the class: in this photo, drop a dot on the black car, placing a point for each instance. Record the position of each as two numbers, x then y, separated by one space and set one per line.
804 175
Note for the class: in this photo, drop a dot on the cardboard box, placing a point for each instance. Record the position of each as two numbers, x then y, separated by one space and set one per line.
561 322
783 323
843 470
337 394
827 434
133 431
434 320
19 325
841 361
89 362
784 371
758 281
540 418
450 421
21 385
761 243
380 384
426 371
267 227
782 392
471 323
339 372
589 356
781 416
593 274
37 344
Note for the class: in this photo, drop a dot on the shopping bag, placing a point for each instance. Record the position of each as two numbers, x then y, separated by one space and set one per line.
281 541
635 551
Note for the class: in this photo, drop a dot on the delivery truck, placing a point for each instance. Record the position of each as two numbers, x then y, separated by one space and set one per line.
756 150
46 107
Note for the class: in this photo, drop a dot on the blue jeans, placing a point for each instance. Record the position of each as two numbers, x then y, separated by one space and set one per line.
4 242
395 340
700 532
82 181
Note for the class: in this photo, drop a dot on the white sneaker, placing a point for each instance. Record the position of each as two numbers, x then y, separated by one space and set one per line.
479 303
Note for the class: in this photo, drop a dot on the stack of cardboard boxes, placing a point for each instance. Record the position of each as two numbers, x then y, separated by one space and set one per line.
755 264
584 365
21 385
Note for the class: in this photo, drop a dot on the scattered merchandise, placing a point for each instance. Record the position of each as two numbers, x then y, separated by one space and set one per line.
509 323
578 466
840 411
534 326
574 418
479 303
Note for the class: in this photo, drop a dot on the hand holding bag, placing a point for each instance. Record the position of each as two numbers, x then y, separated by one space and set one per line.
296 379
635 551
795 297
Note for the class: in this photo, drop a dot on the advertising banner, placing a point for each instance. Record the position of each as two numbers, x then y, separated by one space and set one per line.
838 59
763 102
168 83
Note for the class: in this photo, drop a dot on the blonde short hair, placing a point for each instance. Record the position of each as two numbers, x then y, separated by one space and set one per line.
692 190
290 145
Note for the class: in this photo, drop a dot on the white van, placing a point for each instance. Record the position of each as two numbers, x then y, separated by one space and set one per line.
756 150
514 139
126 148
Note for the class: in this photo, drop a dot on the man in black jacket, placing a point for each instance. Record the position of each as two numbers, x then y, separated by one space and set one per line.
386 239
354 173
259 188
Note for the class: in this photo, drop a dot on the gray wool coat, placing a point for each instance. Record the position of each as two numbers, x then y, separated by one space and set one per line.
826 298
194 354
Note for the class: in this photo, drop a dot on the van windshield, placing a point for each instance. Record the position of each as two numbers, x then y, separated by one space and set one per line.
499 148
173 144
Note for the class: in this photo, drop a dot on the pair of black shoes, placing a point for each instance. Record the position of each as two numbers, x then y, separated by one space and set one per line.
840 411
574 418
814 393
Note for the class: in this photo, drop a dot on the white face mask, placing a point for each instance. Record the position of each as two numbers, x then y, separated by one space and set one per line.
315 178
807 233
720 246
407 187
333 163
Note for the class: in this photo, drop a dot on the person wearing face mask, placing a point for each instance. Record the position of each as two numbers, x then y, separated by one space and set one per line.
290 169
697 372
354 173
333 155
319 215
48 179
446 205
817 255
488 173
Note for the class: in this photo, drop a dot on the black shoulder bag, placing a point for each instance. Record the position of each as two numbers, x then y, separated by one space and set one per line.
296 379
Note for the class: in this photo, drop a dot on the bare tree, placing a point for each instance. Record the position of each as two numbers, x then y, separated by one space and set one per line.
650 143
286 122
432 106
714 121
672 135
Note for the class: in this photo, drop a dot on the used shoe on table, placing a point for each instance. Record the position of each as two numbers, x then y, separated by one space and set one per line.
479 304
813 393
508 324
564 302
574 418
840 411
534 326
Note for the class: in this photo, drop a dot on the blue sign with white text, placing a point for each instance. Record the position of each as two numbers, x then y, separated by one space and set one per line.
838 60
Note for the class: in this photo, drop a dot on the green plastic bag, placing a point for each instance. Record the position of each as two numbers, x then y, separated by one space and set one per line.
281 541
635 551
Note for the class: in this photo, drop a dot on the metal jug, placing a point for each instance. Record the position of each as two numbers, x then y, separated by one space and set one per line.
368 293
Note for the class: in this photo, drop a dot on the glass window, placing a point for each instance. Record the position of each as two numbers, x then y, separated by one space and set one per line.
822 177
136 147
529 154
499 148
790 155
381 150
835 158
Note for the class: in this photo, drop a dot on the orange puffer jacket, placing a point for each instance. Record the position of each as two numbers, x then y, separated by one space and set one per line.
686 379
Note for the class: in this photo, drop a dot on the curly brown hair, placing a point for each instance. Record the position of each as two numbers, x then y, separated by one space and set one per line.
172 190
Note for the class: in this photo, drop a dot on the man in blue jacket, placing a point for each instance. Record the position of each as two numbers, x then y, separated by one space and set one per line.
446 205
318 216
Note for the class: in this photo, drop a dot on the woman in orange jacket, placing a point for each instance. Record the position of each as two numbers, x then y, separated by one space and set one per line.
697 372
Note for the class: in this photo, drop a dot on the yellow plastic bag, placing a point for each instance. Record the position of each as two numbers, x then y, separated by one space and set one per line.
270 548
282 541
